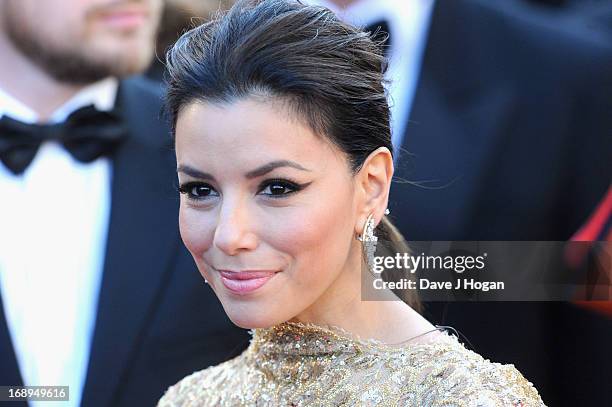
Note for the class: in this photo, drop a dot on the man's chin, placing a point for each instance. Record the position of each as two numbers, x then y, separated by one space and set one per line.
107 62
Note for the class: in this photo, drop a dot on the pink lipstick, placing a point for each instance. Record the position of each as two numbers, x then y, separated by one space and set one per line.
244 282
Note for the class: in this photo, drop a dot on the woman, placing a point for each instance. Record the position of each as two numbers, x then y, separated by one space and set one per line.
285 162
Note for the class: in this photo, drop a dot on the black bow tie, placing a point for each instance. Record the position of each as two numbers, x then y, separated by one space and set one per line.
87 134
381 32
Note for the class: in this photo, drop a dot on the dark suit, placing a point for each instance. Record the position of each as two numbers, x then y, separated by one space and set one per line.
513 119
157 321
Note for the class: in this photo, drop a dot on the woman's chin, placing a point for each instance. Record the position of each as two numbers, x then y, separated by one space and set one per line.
250 320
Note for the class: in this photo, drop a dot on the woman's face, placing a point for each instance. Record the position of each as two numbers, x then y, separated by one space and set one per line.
268 208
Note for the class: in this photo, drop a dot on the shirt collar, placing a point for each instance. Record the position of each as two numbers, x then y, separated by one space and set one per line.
405 18
101 94
365 12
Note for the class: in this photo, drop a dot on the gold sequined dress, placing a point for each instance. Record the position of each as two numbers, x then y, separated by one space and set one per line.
295 364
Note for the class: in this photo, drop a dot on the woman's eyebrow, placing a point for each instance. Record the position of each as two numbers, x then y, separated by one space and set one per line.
266 168
185 169
257 172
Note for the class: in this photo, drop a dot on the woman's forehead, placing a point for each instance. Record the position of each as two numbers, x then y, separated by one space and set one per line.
246 133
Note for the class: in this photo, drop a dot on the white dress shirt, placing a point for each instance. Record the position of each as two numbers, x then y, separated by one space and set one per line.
408 25
53 228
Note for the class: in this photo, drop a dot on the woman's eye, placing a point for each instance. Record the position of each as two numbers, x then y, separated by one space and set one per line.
197 190
279 188
273 188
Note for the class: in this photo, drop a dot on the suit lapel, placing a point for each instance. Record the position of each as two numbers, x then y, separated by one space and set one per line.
9 370
452 125
142 238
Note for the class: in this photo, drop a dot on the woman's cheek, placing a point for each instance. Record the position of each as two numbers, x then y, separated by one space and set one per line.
293 232
195 230
304 236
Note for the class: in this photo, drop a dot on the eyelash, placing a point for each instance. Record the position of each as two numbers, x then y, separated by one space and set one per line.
187 188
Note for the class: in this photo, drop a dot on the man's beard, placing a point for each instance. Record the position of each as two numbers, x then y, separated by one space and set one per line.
67 65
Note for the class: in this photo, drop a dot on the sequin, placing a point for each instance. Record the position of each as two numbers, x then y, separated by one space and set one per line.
301 365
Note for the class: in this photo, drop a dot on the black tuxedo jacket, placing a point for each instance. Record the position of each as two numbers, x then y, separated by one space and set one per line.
512 120
510 133
157 321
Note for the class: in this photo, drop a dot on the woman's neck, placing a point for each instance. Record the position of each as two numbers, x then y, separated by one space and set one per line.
389 321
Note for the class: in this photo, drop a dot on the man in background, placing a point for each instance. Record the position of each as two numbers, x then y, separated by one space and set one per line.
97 291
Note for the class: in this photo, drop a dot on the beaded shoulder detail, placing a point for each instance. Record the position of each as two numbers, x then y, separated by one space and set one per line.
294 364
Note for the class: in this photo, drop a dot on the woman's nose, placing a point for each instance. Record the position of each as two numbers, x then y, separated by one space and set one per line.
233 233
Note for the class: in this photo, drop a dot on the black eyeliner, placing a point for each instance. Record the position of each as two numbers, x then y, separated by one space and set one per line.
295 186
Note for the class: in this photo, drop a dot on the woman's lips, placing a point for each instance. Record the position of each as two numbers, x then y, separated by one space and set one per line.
246 281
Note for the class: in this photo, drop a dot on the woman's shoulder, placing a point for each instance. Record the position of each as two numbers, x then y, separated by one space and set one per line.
461 377
194 387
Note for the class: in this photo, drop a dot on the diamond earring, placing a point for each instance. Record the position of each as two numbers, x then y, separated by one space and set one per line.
368 230
368 241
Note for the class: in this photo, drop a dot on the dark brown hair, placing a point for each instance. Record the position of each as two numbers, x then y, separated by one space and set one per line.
329 73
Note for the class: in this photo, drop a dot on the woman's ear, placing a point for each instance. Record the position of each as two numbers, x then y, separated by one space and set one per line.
374 182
